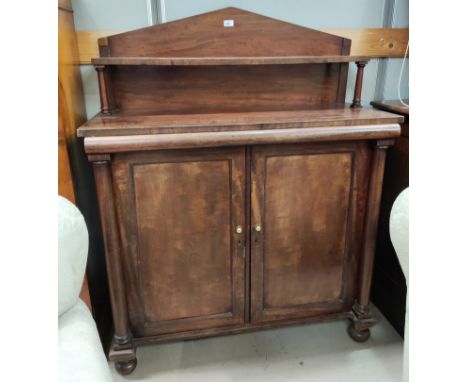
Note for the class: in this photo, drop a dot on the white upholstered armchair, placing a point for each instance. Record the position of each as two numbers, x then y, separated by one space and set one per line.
399 234
81 358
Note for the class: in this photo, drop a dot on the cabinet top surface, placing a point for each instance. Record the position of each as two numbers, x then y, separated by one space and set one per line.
121 125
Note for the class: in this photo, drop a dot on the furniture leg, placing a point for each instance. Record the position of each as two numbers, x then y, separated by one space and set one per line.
361 314
361 322
122 349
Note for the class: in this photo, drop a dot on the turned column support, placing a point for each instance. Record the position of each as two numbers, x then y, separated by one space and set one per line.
361 315
358 85
122 350
372 218
103 89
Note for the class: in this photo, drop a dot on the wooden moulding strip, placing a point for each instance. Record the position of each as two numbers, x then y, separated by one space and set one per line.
96 145
369 42
186 61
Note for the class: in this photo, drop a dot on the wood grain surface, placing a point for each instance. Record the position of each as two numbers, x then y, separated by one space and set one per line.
204 35
96 145
215 61
178 213
295 240
187 259
130 124
65 179
202 89
303 242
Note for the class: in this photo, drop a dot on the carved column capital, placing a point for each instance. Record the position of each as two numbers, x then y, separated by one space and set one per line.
99 159
361 64
384 144
100 68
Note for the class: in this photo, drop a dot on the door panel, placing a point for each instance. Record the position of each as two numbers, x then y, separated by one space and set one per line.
185 268
306 228
186 237
303 197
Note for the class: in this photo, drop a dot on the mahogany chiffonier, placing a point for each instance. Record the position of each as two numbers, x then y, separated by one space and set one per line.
237 191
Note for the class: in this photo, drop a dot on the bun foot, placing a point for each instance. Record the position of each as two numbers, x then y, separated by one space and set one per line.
361 336
361 320
126 367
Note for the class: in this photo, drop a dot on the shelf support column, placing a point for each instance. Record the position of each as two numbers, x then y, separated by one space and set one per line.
103 91
358 85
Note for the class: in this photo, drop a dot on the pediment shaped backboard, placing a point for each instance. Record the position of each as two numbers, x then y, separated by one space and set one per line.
228 32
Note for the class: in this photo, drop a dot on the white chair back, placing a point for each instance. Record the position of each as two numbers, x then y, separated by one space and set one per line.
72 253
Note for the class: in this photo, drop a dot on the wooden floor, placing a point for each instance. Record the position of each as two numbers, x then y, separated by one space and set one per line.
318 352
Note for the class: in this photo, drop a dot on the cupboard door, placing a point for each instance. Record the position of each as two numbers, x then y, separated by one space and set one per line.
307 214
183 259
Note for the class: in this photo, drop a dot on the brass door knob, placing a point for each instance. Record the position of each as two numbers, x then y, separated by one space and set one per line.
238 229
258 227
